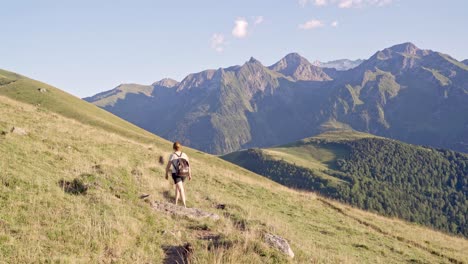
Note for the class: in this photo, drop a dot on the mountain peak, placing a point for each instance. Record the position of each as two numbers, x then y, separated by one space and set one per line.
396 58
295 59
166 82
253 60
406 48
299 68
293 56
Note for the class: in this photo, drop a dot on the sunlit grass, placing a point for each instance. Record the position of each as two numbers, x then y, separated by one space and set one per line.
39 221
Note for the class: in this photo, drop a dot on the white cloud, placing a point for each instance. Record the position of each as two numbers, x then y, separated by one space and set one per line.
240 28
334 23
303 3
258 20
311 24
320 2
362 3
218 42
347 3
384 2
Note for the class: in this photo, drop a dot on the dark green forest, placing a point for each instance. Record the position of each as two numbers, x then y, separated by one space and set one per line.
423 185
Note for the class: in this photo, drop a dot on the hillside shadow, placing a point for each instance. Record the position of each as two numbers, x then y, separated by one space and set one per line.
75 187
175 255
168 196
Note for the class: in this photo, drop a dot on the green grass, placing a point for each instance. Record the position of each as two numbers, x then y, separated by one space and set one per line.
57 101
451 60
311 153
340 135
71 140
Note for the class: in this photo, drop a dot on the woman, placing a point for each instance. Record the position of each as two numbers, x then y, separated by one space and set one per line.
178 180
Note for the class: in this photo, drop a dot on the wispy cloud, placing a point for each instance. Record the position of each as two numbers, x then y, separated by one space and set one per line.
303 2
258 20
320 2
346 3
218 42
334 23
311 24
240 28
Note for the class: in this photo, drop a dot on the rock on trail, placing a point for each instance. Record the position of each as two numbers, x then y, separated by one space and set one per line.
173 209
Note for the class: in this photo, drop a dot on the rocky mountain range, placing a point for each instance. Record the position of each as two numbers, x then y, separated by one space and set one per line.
402 92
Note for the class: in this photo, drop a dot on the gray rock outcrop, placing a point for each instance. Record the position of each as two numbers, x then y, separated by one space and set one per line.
279 243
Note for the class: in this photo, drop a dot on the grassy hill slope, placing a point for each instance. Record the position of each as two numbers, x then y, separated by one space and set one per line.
49 98
76 145
420 184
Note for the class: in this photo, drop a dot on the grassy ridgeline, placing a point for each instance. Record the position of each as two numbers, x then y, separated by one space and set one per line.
41 221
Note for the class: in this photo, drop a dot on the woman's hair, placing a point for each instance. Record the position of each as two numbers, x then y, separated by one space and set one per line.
177 146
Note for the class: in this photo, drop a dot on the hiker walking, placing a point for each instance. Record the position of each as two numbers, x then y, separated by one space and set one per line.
179 165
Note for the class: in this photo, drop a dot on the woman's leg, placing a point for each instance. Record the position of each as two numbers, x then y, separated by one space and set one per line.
182 192
176 192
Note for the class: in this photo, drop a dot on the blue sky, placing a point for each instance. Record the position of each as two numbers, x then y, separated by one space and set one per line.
85 47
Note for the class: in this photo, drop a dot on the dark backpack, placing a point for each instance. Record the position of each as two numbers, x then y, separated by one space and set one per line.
181 166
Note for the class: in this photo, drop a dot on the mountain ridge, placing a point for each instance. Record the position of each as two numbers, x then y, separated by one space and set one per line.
378 96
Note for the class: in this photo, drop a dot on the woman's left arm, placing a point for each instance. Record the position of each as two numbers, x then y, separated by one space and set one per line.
168 167
189 172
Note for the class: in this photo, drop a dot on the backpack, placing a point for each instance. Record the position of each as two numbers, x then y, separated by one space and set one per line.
181 166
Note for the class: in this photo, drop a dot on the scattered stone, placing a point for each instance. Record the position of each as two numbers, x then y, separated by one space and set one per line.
144 195
161 160
221 206
361 246
42 90
192 213
19 131
279 243
3 133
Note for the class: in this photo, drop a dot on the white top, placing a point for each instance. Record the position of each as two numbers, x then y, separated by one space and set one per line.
173 156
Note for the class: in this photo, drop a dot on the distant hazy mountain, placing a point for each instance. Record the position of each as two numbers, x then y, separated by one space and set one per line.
402 92
465 62
299 68
340 65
